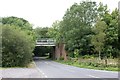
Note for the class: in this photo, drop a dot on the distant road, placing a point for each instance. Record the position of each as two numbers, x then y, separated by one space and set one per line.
51 69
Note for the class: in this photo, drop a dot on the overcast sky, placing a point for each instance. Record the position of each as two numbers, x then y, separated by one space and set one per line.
42 13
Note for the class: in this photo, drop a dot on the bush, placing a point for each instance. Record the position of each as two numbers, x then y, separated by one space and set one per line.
76 53
61 58
88 57
17 47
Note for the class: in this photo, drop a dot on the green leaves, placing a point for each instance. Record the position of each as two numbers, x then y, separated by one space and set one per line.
86 27
18 42
55 32
19 22
17 47
99 38
41 32
76 25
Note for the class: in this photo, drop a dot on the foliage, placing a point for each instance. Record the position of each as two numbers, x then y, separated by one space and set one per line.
41 32
55 32
81 30
61 58
111 42
76 26
76 53
17 47
90 65
99 38
88 57
19 22
17 42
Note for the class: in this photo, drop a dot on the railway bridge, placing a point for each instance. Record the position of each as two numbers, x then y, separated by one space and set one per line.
59 48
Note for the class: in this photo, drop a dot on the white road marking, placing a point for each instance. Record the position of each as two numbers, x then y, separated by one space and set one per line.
43 74
93 76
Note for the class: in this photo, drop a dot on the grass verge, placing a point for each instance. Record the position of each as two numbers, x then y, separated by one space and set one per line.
89 65
30 65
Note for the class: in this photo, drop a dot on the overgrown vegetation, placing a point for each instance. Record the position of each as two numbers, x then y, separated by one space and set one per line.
88 29
93 63
17 42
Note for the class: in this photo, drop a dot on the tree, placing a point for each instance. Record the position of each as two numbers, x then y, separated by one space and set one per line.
55 32
41 32
17 47
19 22
99 38
17 42
102 10
111 19
76 26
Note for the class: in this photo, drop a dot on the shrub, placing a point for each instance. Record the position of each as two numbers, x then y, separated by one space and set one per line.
17 47
76 53
61 58
88 57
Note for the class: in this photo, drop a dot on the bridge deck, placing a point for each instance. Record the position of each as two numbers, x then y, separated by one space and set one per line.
45 42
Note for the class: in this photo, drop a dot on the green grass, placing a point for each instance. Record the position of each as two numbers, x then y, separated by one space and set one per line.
2 68
89 66
30 65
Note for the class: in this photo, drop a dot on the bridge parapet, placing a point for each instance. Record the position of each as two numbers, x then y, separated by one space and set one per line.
45 42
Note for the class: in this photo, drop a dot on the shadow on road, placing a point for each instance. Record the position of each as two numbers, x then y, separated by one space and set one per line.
40 58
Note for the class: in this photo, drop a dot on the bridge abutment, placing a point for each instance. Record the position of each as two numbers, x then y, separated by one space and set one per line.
60 51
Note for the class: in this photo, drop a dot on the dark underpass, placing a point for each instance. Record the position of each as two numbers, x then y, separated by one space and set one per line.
44 51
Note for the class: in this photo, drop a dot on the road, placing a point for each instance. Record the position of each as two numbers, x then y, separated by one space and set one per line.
51 69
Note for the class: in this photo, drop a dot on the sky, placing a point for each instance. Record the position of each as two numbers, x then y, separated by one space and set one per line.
42 13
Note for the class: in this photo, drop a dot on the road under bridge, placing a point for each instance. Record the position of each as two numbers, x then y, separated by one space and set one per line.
58 49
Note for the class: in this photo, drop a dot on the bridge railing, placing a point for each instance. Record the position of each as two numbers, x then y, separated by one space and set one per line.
45 41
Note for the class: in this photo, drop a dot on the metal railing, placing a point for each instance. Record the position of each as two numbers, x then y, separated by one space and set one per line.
45 42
